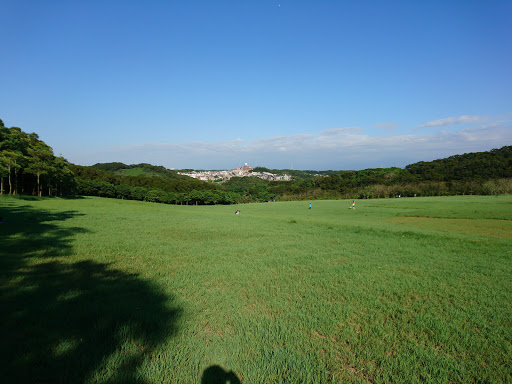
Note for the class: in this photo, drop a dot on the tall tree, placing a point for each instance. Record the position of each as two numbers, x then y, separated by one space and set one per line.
3 172
13 144
63 176
40 163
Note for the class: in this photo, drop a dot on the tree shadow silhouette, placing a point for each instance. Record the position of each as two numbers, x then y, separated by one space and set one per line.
64 321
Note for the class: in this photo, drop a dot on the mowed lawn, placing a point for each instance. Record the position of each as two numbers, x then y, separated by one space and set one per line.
402 290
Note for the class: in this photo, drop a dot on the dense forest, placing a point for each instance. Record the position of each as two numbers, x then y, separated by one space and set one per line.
29 166
163 188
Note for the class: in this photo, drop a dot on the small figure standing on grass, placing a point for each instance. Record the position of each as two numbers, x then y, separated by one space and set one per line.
353 204
309 205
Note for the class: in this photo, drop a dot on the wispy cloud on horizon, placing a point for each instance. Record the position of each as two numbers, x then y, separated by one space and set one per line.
341 148
337 131
464 119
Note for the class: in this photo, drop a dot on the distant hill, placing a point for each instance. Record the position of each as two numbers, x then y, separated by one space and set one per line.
493 164
142 169
496 163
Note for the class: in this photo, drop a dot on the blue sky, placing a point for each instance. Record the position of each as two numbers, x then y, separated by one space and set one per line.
301 84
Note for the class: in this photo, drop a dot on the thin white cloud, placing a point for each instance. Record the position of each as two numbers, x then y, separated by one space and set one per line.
464 119
337 131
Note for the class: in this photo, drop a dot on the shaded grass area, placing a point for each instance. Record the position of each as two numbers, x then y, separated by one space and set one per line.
278 294
64 320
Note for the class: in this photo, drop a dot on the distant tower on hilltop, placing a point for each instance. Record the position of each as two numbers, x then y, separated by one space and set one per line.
242 170
246 168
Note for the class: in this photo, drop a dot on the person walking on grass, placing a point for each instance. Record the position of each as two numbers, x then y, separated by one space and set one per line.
353 204
309 205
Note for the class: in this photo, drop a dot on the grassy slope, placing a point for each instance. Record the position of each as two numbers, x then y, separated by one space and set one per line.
138 172
124 291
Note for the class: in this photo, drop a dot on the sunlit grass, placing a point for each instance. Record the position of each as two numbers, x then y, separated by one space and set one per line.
398 290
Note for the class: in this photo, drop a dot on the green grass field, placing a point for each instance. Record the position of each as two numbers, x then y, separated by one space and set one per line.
399 290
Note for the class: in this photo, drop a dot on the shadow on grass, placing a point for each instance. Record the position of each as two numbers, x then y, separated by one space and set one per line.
72 197
215 374
37 198
71 322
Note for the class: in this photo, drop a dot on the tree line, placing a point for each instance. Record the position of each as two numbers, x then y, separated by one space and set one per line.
29 166
93 181
479 173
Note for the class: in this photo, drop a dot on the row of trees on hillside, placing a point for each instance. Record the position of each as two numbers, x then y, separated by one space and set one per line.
28 165
143 168
93 181
493 164
480 173
126 192
182 184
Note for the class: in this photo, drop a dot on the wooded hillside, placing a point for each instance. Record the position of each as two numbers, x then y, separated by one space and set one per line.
28 165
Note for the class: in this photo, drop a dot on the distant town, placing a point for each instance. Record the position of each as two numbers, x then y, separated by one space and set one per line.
244 171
